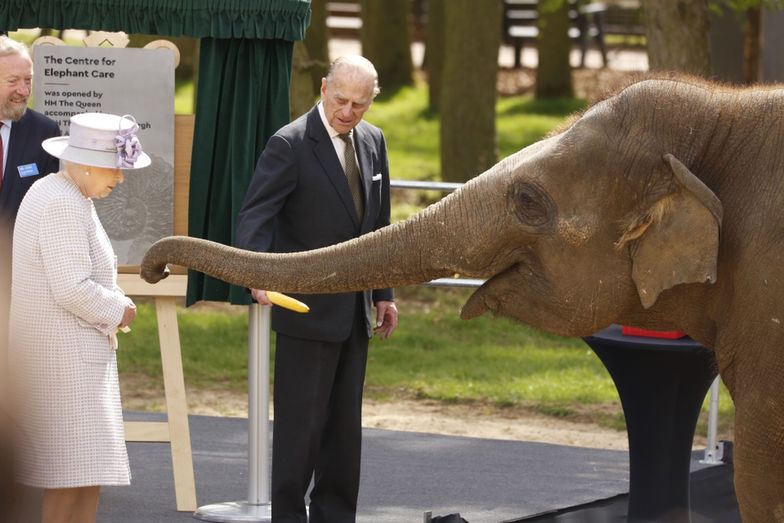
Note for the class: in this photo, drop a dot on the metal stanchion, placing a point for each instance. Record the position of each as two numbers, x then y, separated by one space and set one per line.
714 450
257 507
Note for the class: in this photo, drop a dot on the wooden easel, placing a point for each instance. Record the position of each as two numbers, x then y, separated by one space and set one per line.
165 293
175 431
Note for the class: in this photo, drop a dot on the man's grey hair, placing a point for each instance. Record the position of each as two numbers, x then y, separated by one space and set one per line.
354 65
9 47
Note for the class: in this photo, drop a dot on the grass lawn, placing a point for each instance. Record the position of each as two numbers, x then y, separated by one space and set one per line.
433 354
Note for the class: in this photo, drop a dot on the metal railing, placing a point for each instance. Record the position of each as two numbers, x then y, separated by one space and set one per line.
427 186
443 187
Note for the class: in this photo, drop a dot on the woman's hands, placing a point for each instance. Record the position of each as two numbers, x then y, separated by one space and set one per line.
128 315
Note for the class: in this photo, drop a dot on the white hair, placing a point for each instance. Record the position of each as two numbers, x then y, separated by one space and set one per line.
9 47
357 66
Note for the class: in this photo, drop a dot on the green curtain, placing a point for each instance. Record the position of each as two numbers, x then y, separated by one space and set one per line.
243 98
259 19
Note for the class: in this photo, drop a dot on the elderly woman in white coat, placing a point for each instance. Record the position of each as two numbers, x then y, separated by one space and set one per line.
66 308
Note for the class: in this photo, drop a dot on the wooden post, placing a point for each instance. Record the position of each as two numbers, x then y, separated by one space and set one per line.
176 431
165 293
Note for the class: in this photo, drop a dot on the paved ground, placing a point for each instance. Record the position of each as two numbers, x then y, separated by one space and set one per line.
404 474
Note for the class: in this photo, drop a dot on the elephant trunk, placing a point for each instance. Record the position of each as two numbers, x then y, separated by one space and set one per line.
424 247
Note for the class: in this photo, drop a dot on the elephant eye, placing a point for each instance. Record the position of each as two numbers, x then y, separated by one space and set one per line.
531 204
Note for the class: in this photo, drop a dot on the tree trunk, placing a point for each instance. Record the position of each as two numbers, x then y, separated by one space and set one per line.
434 52
386 41
752 45
317 43
302 93
553 72
677 33
468 94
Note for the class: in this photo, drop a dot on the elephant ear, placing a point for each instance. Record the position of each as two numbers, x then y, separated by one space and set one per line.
677 239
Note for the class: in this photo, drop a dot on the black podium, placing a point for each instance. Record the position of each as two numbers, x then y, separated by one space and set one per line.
662 384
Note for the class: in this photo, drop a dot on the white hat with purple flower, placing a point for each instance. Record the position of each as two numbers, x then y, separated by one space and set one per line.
100 140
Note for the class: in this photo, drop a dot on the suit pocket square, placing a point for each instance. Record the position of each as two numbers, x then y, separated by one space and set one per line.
376 177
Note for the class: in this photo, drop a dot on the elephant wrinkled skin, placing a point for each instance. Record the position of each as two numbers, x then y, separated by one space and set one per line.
659 207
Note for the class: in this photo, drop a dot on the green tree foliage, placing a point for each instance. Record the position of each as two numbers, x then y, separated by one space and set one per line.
386 41
553 72
50 32
468 87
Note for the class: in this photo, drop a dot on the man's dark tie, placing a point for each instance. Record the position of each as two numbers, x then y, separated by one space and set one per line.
354 178
2 164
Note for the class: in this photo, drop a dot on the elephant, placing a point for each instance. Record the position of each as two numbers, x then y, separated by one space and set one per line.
657 207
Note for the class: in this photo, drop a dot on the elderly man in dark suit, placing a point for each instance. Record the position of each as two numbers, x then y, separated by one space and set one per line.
321 180
22 130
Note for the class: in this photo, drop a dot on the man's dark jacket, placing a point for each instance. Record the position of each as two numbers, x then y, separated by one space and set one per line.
299 199
24 149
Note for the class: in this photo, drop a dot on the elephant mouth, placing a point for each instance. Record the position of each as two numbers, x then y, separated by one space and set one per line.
502 293
494 294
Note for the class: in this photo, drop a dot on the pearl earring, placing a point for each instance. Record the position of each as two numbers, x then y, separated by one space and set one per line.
87 172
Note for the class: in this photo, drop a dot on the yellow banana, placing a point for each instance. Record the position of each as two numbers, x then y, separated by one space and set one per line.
287 302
